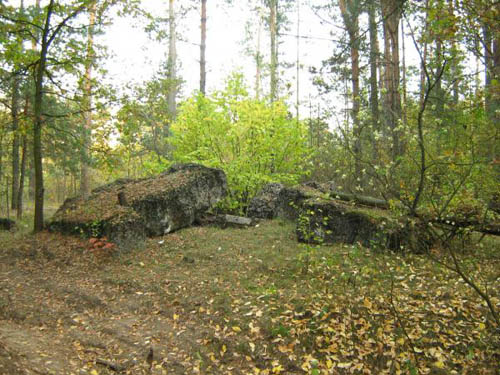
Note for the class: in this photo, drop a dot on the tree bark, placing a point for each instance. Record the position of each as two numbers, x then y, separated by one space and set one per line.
15 128
22 177
15 140
171 65
203 47
87 128
391 14
258 59
273 30
350 14
374 52
38 120
361 199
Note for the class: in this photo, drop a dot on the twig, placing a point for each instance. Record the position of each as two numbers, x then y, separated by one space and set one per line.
111 365
402 324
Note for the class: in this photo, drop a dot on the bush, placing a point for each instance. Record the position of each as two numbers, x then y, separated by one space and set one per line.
253 141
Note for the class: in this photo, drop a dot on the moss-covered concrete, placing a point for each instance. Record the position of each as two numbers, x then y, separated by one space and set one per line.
132 209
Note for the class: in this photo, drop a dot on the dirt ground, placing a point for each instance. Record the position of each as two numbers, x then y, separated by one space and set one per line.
234 301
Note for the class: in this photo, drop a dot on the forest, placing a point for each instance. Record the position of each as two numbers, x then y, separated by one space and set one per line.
312 189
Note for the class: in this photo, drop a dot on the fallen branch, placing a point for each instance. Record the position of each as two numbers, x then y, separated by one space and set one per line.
111 365
475 225
361 199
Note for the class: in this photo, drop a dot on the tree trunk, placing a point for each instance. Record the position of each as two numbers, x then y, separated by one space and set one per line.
1 165
404 113
87 127
391 14
424 55
203 47
38 120
15 128
350 13
15 141
491 42
31 179
258 59
21 178
454 63
374 52
298 62
171 65
273 28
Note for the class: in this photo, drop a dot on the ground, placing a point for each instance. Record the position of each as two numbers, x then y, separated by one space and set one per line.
207 300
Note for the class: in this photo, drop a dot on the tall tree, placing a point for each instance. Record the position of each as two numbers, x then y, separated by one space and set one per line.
172 62
350 14
16 97
391 15
374 54
87 83
49 33
203 47
273 33
15 138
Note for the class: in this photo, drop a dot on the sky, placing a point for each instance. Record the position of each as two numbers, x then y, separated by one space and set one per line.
135 57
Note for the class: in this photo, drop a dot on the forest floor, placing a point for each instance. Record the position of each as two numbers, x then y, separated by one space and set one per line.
240 301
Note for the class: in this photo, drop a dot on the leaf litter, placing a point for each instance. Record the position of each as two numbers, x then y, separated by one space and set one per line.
243 306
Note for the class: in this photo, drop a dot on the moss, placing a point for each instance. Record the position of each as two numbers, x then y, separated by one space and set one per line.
142 207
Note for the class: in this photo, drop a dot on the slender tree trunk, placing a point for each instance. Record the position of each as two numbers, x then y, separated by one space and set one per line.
15 141
171 65
491 41
438 58
38 120
454 64
15 128
391 14
22 177
203 47
350 14
258 59
1 161
31 179
298 62
29 114
404 83
273 28
87 128
424 54
374 53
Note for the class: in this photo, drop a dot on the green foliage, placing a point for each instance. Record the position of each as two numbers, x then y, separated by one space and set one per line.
254 142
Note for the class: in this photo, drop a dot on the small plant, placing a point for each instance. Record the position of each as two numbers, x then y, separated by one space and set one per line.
95 228
312 236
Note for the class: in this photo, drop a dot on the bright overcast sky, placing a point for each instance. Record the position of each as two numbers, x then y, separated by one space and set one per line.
135 58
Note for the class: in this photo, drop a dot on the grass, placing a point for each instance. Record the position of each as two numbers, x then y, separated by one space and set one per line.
254 301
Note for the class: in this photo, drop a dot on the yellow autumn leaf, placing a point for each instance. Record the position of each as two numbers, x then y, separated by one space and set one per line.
329 364
482 326
94 372
367 303
439 364
176 316
344 364
277 369
400 341
252 346
224 348
236 329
